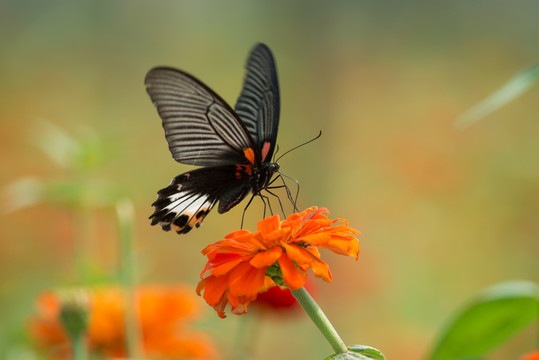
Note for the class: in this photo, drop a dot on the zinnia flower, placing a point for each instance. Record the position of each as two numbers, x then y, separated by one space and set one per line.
163 314
279 300
245 263
534 355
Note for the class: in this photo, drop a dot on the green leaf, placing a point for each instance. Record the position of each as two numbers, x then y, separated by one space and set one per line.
361 352
71 153
347 356
55 142
368 351
22 193
516 86
488 320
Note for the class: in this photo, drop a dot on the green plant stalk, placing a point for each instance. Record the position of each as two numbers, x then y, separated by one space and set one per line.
78 347
125 213
519 84
82 220
320 320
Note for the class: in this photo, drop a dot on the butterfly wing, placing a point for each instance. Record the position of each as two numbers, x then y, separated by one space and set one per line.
200 127
259 104
190 196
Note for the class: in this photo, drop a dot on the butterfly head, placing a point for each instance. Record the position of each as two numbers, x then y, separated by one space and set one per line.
265 174
273 168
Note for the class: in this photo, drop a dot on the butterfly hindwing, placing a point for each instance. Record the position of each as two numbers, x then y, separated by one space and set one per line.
200 127
190 196
259 104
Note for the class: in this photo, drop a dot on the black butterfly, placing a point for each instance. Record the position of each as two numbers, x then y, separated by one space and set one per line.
234 147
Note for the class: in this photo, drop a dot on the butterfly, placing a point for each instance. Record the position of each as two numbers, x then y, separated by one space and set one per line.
233 147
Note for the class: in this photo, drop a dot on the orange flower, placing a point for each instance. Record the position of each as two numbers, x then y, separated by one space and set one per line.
279 300
245 263
534 355
162 314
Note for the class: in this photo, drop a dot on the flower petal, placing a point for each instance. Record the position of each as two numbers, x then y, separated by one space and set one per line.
268 225
266 258
215 288
226 266
292 276
298 254
245 280
321 270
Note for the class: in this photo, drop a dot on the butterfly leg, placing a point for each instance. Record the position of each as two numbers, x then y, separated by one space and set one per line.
245 209
267 204
278 198
293 200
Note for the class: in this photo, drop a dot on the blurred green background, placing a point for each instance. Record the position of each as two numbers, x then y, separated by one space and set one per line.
443 212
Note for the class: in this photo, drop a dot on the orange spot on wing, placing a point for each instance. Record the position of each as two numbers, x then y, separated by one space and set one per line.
250 155
242 169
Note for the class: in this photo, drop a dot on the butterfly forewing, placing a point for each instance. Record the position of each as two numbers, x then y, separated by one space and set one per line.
259 104
200 128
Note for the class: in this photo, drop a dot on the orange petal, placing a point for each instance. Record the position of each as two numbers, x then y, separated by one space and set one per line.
237 233
268 225
321 269
292 276
215 289
245 280
277 236
221 305
344 247
201 285
266 258
227 266
298 254
239 310
218 260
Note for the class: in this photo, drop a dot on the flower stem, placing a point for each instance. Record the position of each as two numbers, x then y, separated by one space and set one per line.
126 219
320 320
79 348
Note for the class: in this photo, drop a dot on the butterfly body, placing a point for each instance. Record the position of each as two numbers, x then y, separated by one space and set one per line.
234 147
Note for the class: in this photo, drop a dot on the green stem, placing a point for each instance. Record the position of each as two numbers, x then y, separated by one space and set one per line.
79 348
82 238
126 219
320 320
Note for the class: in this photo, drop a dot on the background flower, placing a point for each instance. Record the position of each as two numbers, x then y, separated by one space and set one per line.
163 313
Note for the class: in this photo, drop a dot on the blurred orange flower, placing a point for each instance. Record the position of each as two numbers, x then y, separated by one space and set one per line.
276 298
163 314
279 300
245 263
534 355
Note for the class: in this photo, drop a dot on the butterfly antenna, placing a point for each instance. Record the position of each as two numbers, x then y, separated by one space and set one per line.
276 151
300 145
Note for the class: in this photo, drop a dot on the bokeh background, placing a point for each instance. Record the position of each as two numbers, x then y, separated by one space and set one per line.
443 212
